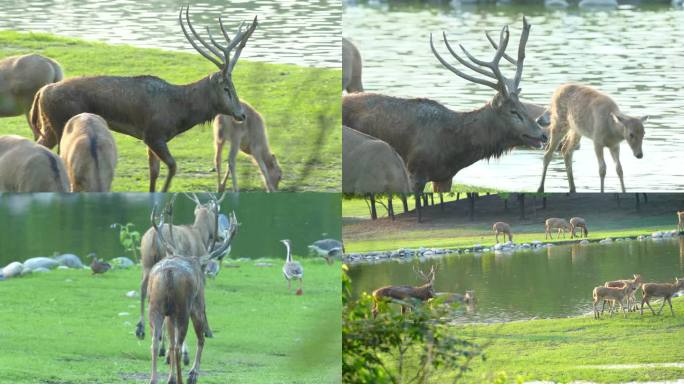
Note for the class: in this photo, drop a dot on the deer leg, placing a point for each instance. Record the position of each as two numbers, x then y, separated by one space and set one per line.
554 140
160 149
567 159
218 152
266 175
153 163
497 237
140 327
156 323
198 325
232 156
669 301
661 306
604 307
615 153
598 148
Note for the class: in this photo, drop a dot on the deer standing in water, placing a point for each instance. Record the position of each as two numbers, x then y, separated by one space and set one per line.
404 292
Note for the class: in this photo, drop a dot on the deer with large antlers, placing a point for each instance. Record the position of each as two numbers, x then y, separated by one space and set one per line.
436 142
147 107
403 292
176 292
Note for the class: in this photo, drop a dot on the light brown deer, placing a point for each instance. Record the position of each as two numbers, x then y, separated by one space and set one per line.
249 136
468 298
370 165
436 142
578 222
664 290
147 107
89 153
501 227
176 292
680 221
406 292
555 223
351 67
21 77
633 284
28 167
612 295
578 110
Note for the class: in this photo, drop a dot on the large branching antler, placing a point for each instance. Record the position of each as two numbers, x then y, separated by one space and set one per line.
158 224
217 53
503 85
428 277
231 231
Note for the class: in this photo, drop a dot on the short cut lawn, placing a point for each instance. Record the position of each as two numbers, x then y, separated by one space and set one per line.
300 105
68 327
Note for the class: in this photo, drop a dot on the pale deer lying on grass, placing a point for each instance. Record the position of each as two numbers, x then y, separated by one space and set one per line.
28 167
578 222
249 136
680 221
405 293
578 110
351 67
89 153
612 295
633 285
664 290
176 292
561 224
501 227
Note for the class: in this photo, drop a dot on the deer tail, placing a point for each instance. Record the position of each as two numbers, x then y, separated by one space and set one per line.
35 116
92 139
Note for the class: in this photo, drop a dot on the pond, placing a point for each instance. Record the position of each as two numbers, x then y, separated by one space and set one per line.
541 283
633 53
40 224
295 32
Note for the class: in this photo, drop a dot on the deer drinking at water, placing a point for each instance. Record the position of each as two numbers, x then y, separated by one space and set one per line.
404 292
147 107
578 110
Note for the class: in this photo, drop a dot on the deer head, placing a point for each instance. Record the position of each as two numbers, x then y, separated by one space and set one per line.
632 129
207 216
429 278
223 94
509 111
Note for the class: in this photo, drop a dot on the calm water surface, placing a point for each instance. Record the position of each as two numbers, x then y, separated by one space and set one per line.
544 283
634 54
296 32
40 224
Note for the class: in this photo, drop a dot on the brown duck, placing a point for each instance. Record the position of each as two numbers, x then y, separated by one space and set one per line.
98 266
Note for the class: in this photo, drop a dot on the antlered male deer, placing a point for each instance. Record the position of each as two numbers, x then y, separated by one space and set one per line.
176 292
578 222
147 107
578 110
664 290
89 153
680 221
351 67
633 284
404 292
501 227
436 142
21 77
555 223
370 165
249 136
612 295
28 167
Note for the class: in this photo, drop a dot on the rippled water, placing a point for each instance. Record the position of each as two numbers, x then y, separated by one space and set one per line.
296 32
542 283
634 54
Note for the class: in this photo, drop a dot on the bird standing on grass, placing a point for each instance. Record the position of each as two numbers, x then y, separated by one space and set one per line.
292 269
327 249
98 266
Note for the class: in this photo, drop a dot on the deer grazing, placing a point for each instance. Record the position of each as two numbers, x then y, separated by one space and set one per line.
176 293
147 107
578 110
555 223
406 292
504 228
680 221
436 142
611 295
578 222
89 153
370 165
249 136
351 67
20 78
28 167
664 290
633 285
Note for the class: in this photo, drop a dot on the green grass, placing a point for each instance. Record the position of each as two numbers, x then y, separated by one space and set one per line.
68 326
301 107
564 350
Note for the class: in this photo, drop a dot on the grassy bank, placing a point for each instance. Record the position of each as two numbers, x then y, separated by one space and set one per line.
68 326
301 107
564 350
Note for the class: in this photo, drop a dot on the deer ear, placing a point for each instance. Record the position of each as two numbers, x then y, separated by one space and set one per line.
617 118
643 119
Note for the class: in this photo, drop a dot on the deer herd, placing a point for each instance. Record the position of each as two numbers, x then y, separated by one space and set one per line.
435 142
77 114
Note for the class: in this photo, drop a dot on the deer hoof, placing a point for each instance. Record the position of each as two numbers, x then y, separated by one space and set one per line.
140 331
192 377
208 334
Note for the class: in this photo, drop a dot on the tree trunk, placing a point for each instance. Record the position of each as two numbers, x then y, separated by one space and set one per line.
374 212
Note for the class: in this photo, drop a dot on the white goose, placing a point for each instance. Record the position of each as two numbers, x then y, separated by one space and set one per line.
292 269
